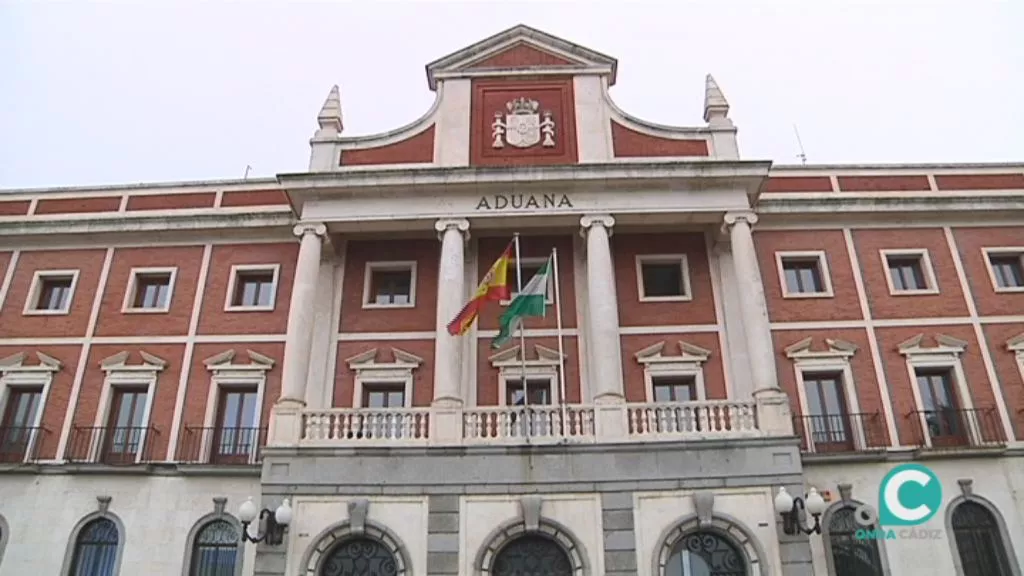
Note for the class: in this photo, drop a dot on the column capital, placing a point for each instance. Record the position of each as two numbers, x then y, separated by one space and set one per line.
303 228
732 218
445 224
607 221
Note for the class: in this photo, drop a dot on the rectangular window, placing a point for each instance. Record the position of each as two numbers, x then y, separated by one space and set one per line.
17 424
126 427
1007 270
909 272
539 392
254 288
803 276
940 407
380 395
390 284
237 436
530 267
151 291
827 414
52 292
663 277
674 388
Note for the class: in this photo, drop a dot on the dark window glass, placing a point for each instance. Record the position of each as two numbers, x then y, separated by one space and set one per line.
1008 270
237 435
532 555
674 388
17 424
95 549
54 293
803 276
215 550
906 273
126 430
539 392
383 395
852 556
152 291
391 287
979 541
359 557
254 288
826 405
941 407
662 279
705 554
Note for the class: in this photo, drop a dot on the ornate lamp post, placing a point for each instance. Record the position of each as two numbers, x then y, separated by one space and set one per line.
789 508
275 522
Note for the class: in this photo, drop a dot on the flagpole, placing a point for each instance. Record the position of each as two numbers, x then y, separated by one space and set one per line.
522 339
561 349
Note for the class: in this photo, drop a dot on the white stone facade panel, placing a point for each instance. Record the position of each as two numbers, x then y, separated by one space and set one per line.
157 513
405 517
998 480
659 512
578 514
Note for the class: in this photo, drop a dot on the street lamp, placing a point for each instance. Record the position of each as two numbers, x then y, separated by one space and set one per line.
276 522
789 508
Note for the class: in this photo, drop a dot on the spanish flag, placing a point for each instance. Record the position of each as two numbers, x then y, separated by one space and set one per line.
494 286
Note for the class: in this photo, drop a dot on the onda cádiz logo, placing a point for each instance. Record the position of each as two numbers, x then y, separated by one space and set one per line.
910 494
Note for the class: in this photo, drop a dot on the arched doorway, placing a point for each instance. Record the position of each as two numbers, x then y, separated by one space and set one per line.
360 556
532 555
979 541
705 553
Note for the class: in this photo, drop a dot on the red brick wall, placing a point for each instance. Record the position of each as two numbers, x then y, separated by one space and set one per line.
215 320
633 312
113 322
13 323
521 56
1008 369
14 208
883 183
415 149
970 242
628 143
171 201
78 205
423 377
425 252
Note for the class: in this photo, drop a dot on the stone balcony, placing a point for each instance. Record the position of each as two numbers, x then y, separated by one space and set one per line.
765 416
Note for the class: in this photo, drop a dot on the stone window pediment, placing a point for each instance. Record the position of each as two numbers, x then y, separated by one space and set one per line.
223 366
14 371
837 352
1016 345
947 348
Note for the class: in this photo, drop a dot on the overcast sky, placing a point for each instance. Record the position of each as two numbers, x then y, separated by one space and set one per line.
106 93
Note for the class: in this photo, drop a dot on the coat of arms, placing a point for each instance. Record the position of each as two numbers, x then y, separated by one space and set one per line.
522 126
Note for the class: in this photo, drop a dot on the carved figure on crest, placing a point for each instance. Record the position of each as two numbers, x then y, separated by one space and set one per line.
522 125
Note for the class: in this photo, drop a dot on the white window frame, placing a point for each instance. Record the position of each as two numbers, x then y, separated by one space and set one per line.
513 291
820 257
128 307
926 269
369 371
945 356
226 374
119 374
37 285
14 374
688 364
987 253
388 266
242 268
684 268
834 360
1016 345
512 367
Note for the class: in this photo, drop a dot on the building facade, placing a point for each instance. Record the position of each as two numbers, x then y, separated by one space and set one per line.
718 329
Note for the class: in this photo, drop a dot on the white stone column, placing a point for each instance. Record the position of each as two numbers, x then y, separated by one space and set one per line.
286 419
752 301
299 334
603 310
446 418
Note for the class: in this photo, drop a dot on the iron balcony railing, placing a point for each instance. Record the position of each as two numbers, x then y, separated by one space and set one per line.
837 433
111 444
20 444
950 428
222 446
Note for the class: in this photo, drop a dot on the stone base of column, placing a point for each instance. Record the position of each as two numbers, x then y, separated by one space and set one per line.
446 421
773 415
285 423
611 421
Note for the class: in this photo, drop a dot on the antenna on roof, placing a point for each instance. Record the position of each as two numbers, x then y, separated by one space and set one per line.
802 156
246 175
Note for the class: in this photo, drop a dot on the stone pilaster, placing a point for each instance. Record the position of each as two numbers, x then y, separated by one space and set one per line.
446 420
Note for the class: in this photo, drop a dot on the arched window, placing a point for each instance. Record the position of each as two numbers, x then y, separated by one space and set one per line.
360 557
978 541
96 549
705 554
534 555
850 556
215 550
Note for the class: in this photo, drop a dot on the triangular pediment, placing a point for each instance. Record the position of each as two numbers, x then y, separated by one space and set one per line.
834 348
543 356
225 361
368 359
1016 344
688 353
943 345
520 47
16 363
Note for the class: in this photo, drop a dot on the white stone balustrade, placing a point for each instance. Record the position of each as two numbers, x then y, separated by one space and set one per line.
766 416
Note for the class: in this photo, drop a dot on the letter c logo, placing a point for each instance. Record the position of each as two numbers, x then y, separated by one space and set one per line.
910 494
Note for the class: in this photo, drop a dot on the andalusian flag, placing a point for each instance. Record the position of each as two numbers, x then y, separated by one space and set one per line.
494 286
532 301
